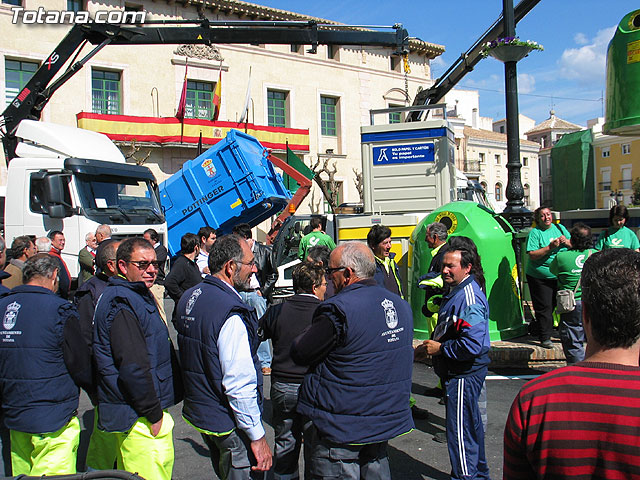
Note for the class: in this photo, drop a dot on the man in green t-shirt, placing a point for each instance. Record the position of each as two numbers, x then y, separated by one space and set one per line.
567 266
314 238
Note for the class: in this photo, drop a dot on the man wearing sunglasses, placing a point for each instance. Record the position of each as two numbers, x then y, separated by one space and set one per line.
360 349
218 340
135 363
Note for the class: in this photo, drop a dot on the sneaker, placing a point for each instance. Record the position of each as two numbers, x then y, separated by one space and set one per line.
419 414
433 392
440 437
548 344
266 371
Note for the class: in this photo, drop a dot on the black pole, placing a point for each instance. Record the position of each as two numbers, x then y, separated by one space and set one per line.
515 211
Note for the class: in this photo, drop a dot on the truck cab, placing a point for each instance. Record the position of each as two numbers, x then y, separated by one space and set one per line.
73 180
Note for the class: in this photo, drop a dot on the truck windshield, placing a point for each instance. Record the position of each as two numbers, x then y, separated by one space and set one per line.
120 198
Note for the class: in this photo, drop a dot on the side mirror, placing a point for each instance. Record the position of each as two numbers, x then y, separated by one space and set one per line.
54 188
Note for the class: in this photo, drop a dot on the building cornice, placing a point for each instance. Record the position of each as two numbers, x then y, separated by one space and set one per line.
254 11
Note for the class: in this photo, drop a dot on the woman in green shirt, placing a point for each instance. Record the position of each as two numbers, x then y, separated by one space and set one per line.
543 243
567 266
618 235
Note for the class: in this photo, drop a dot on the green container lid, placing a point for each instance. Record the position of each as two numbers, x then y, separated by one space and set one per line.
622 116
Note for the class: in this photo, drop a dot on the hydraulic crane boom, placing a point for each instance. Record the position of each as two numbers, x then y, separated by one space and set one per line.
466 62
39 89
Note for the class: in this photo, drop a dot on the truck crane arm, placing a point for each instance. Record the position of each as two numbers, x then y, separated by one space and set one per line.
31 100
466 62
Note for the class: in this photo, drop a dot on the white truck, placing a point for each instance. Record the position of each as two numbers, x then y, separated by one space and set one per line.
72 180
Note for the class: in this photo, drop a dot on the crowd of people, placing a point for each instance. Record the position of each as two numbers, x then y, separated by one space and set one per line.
323 347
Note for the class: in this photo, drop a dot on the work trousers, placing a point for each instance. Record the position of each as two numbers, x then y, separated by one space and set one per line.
231 456
140 452
53 453
348 462
543 296
465 429
572 334
290 428
103 448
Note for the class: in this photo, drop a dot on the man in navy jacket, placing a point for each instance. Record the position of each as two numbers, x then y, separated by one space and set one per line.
360 349
460 348
218 339
39 370
138 378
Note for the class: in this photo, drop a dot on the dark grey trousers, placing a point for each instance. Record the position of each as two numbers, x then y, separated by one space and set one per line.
231 456
349 462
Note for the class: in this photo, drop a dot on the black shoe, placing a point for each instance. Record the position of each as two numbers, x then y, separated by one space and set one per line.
419 414
440 437
548 344
442 401
433 392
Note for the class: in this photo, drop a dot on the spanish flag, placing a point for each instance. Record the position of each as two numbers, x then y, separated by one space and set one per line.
217 96
182 104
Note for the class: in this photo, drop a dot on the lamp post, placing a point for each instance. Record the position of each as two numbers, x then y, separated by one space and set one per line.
515 212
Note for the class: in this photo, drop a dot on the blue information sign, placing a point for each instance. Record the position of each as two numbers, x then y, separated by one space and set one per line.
415 153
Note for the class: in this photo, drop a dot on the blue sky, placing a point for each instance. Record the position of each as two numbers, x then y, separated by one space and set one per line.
569 75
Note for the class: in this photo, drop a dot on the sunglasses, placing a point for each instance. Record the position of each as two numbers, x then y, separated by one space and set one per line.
144 265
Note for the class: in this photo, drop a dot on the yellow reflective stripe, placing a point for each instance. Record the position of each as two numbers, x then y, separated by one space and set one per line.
207 432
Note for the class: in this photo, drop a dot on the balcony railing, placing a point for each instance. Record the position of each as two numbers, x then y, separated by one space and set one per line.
472 166
625 184
604 186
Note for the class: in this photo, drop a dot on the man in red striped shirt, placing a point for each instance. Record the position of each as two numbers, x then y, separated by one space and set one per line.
583 420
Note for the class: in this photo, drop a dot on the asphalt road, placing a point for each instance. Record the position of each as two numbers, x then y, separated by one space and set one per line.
412 456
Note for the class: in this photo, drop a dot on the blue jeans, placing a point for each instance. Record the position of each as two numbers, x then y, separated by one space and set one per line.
258 302
572 334
290 428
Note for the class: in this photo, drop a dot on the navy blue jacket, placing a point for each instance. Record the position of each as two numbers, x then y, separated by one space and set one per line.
3 290
360 392
463 330
116 414
38 393
202 311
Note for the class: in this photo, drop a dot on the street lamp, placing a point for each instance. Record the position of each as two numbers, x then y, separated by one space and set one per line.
616 196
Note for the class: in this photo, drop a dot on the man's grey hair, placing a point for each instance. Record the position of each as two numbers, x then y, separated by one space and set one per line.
359 258
227 247
104 229
437 229
43 244
40 265
88 236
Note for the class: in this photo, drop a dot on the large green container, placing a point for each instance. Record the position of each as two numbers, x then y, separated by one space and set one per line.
493 236
622 116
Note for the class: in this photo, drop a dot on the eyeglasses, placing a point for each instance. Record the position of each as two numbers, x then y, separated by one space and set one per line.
250 263
331 271
144 265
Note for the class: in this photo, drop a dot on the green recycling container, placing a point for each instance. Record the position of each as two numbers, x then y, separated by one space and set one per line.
494 238
622 116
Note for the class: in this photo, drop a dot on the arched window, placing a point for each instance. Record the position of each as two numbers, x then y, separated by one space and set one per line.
526 194
498 192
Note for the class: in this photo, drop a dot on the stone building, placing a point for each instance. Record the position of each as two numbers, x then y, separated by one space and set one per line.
315 103
546 134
